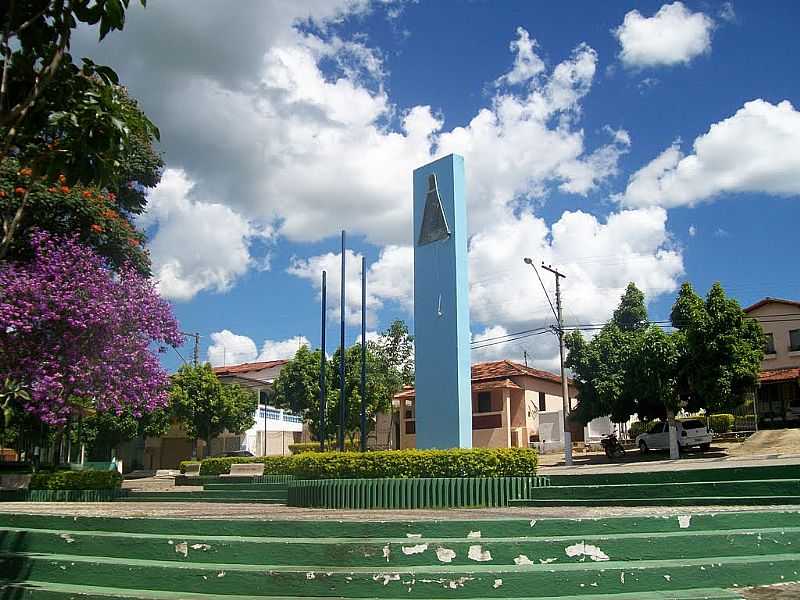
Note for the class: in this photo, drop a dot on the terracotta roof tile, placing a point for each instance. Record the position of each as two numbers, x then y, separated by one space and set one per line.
248 367
777 375
505 368
769 300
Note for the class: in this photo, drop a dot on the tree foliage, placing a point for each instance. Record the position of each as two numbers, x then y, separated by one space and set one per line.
72 334
63 123
710 361
206 407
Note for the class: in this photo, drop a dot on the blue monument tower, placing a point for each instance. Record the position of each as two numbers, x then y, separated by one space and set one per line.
443 401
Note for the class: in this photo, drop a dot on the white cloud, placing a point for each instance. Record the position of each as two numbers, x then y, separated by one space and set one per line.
674 35
527 63
228 348
727 13
692 231
388 279
196 245
282 349
755 150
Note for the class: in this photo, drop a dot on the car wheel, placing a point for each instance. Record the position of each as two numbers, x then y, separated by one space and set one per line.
705 447
643 447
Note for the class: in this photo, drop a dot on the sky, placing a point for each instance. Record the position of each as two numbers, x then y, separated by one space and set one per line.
646 142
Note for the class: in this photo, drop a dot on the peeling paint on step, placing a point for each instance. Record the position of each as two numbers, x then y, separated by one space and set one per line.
386 577
418 549
221 574
668 577
582 550
311 575
478 554
203 547
547 561
413 535
445 555
533 522
67 538
387 551
497 583
474 534
454 584
622 577
684 521
523 560
182 548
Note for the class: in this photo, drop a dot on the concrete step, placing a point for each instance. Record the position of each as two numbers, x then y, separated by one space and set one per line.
397 553
727 489
481 580
38 590
681 476
411 529
665 501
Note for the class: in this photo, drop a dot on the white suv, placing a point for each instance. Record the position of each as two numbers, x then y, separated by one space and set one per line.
691 432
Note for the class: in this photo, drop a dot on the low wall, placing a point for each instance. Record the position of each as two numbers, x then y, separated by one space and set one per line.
412 493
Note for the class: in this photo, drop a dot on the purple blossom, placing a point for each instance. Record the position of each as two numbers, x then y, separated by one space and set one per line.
74 332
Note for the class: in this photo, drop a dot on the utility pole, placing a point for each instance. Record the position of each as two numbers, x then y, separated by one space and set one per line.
323 360
196 354
525 354
564 384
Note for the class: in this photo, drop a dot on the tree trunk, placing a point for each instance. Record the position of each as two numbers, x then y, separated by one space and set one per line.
674 450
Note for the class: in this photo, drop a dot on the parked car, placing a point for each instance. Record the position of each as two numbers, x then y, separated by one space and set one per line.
236 453
691 432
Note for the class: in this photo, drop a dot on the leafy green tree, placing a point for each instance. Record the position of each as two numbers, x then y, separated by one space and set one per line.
103 432
721 350
206 407
395 348
631 314
65 124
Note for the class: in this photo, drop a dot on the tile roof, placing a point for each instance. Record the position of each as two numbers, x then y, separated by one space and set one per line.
248 367
778 375
485 386
769 300
505 368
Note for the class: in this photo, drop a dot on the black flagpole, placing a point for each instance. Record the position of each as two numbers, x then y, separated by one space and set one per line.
342 395
363 354
322 367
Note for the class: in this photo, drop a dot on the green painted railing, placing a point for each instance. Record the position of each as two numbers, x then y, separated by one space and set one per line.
62 495
204 479
412 493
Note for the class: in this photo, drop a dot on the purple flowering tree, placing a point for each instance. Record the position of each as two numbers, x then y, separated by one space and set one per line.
74 333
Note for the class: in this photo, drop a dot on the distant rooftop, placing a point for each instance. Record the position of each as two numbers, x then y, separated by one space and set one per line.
248 367
769 300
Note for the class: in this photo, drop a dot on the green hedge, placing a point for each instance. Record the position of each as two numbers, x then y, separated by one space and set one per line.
314 447
721 423
77 480
477 462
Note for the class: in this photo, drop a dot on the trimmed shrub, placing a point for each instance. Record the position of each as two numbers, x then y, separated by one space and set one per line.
77 480
477 462
314 446
637 428
721 423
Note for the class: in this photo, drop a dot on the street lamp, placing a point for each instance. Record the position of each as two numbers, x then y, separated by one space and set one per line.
560 330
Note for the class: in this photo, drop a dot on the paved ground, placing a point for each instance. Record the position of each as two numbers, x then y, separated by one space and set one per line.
777 592
201 510
718 457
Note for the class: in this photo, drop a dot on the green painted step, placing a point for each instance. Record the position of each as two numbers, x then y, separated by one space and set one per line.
394 552
665 501
770 487
38 590
199 497
442 528
255 494
281 487
482 580
681 476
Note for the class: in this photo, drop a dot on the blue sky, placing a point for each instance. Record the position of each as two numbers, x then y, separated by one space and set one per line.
643 141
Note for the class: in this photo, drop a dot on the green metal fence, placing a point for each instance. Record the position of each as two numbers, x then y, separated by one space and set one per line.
62 495
412 493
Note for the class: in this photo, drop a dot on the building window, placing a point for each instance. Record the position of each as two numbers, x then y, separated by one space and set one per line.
542 402
769 343
484 402
794 340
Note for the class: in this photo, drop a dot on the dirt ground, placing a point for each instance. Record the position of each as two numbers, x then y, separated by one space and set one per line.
776 441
